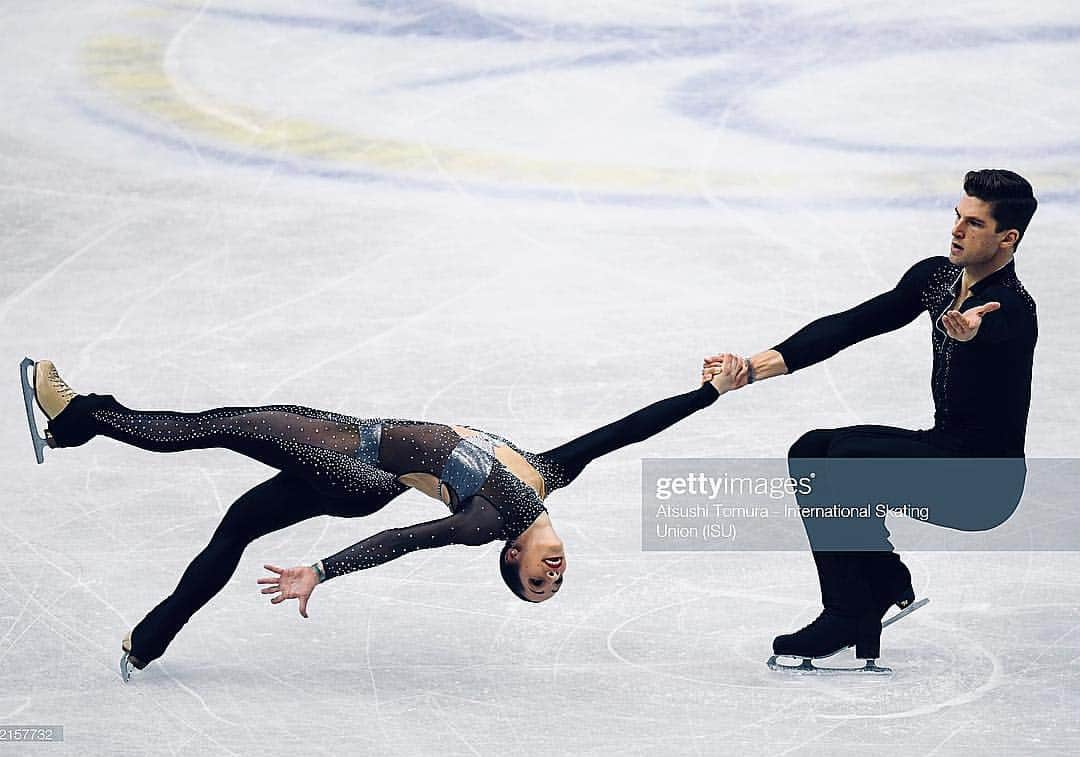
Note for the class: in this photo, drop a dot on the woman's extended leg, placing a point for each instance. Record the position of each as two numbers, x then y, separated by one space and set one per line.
277 503
314 445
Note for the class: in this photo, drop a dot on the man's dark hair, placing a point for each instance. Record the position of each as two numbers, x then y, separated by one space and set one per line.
511 576
1012 201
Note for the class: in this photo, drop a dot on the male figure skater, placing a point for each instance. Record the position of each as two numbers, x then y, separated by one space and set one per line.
983 339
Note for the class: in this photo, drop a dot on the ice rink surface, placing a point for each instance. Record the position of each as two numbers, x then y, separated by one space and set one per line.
533 218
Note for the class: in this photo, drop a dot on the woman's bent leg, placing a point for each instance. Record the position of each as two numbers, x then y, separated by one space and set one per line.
272 505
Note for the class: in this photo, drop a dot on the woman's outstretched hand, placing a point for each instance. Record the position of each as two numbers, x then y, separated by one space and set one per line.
725 372
291 583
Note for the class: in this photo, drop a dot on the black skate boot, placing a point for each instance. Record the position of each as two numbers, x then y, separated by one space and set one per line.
890 580
831 632
891 584
849 618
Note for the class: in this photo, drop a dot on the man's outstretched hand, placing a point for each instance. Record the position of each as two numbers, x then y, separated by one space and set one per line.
964 326
291 583
725 372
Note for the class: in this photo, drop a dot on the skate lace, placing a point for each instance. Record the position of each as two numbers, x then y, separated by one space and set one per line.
58 384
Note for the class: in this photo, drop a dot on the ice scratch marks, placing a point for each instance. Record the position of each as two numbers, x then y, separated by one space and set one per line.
971 647
10 714
187 93
656 671
422 313
64 262
379 720
448 722
145 295
196 696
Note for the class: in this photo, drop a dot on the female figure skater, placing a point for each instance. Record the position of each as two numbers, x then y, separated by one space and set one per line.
332 464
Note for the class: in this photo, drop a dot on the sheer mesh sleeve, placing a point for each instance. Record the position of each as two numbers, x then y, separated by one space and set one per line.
562 465
478 522
890 310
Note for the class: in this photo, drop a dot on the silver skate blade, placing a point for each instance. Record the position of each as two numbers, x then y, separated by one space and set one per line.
807 667
125 667
905 612
28 397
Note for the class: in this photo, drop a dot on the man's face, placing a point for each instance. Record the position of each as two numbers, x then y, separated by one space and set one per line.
973 237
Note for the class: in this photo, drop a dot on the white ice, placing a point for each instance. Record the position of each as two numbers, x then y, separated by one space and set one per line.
531 217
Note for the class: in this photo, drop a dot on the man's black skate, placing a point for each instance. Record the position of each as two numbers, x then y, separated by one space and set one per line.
829 633
890 581
823 633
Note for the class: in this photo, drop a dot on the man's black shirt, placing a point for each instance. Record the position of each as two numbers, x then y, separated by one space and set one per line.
982 387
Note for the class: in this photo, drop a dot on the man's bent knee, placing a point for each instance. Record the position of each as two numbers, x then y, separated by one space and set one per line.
811 444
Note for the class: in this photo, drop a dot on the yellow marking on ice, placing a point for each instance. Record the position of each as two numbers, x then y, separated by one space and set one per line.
149 12
132 69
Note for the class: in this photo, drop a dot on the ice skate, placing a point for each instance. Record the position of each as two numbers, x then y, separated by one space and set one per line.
44 386
890 581
870 667
128 661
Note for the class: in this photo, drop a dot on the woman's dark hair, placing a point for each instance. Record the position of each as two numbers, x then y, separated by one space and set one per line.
511 576
1012 201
